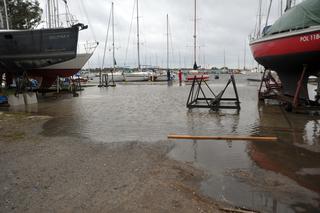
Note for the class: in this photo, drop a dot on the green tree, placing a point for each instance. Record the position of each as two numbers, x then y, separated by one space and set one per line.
24 14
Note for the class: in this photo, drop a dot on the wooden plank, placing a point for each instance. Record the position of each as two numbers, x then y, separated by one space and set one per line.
226 137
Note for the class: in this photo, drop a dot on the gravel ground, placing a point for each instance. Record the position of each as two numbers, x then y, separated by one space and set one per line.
66 174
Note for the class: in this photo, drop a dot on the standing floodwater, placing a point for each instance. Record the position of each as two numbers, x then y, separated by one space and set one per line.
272 177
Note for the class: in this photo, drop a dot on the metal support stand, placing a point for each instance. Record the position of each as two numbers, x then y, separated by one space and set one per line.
273 90
272 86
105 82
198 99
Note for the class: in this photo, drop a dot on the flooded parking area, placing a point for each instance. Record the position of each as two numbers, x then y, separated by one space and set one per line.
278 176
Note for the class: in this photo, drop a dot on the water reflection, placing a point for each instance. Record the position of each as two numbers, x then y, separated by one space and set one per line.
312 133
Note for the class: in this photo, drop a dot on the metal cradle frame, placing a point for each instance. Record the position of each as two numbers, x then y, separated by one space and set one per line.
198 99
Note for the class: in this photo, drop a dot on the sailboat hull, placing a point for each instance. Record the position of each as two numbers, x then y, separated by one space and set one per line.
288 49
22 50
287 53
65 69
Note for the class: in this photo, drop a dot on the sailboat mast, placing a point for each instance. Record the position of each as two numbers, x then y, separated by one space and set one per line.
224 59
260 19
167 42
138 37
6 14
195 35
58 15
49 12
269 9
244 55
113 48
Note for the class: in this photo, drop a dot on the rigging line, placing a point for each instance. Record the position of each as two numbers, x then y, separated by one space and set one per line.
89 22
269 9
255 32
126 56
106 42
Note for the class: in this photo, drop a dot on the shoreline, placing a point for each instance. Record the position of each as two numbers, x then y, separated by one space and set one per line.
66 174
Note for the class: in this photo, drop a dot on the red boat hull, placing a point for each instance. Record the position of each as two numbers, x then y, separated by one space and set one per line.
288 50
287 53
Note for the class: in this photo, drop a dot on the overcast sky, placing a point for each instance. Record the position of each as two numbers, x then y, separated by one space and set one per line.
223 26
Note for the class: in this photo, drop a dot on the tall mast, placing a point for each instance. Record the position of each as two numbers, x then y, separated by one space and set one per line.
138 37
224 59
269 9
6 13
49 13
113 48
58 16
1 21
260 19
167 42
195 66
244 56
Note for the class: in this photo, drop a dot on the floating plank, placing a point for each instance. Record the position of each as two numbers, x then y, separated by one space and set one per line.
227 137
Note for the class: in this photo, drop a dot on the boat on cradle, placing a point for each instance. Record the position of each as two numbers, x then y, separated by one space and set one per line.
43 54
195 73
25 50
291 43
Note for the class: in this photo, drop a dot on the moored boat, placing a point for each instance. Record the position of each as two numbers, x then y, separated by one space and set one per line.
195 74
137 76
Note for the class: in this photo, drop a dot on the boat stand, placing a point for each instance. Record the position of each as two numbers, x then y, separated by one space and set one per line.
271 85
273 90
105 82
198 99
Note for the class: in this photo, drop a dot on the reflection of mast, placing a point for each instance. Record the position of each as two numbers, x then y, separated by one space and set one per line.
195 148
